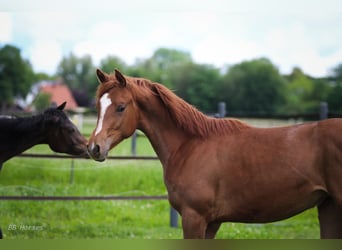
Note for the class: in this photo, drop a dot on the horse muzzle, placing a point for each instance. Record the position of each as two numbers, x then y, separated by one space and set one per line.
97 152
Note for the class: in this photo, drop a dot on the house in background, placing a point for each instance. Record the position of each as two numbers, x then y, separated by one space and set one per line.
59 93
56 90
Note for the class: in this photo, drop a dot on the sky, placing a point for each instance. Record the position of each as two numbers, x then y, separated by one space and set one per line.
291 33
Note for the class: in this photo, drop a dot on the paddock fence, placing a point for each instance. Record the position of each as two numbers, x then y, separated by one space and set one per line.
173 212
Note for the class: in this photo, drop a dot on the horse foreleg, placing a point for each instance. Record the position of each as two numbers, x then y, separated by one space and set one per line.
212 229
194 225
330 220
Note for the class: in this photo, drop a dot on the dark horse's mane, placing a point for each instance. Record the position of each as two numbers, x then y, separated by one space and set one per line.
22 124
19 126
17 131
186 117
18 123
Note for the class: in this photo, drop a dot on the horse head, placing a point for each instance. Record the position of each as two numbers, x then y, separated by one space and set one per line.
61 134
117 114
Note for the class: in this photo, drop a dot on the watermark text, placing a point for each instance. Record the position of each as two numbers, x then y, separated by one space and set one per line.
24 227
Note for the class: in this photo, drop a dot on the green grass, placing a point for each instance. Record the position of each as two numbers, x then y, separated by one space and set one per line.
109 219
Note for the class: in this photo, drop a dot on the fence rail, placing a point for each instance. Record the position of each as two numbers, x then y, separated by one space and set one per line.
59 156
81 198
173 212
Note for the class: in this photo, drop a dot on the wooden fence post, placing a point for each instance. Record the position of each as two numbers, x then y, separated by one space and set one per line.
323 110
221 110
173 217
173 212
134 144
72 172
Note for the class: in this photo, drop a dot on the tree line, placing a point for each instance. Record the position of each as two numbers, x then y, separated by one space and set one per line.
254 86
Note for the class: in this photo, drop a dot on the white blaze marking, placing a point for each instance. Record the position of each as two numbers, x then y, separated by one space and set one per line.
105 102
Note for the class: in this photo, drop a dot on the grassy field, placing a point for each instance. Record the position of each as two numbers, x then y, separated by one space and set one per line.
109 219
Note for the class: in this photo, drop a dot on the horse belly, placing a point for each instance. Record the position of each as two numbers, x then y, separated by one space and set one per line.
248 179
270 205
263 182
270 197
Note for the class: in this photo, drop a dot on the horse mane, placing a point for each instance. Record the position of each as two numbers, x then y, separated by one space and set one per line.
20 125
186 116
191 120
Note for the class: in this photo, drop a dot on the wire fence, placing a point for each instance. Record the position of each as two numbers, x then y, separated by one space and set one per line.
82 198
173 212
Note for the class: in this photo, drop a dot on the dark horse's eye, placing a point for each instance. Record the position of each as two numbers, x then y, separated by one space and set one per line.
120 108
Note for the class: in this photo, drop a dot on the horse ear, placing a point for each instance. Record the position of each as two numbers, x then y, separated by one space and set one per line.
120 77
101 76
62 106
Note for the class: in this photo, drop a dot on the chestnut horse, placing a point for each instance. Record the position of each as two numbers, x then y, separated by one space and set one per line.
219 170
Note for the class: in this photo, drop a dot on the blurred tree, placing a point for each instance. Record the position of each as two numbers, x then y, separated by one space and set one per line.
68 70
16 75
165 59
335 95
43 77
42 101
162 65
198 84
335 98
110 63
193 82
337 73
79 74
299 91
320 92
253 86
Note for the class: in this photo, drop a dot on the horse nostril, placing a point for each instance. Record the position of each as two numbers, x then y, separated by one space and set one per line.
96 149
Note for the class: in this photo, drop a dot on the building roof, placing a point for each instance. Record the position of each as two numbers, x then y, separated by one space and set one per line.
59 93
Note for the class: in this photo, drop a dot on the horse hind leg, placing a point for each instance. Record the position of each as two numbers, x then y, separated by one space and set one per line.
330 219
212 229
196 227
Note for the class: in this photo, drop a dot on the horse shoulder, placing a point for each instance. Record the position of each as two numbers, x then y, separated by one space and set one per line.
330 139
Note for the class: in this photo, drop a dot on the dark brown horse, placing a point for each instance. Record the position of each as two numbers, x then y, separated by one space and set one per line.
52 127
219 170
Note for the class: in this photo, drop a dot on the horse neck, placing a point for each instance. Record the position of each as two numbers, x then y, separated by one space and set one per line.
165 137
22 134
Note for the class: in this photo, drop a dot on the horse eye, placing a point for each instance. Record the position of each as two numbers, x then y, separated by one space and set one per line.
120 108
